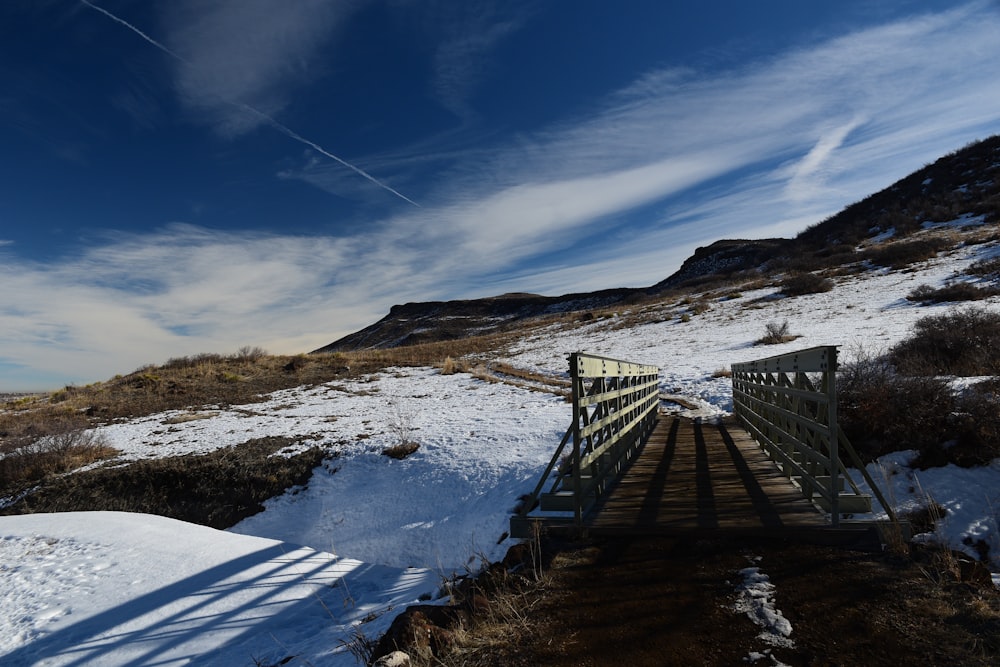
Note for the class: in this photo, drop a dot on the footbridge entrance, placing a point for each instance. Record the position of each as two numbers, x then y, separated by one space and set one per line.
776 466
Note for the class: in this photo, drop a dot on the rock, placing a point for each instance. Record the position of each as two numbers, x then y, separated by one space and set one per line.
973 572
394 659
424 630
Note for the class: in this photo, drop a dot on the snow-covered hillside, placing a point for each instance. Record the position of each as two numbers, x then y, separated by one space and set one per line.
369 534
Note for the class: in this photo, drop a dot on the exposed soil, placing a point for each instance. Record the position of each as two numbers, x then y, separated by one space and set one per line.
658 602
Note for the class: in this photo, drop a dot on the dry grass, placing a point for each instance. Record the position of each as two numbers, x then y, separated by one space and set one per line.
42 437
497 606
217 380
217 489
53 448
524 378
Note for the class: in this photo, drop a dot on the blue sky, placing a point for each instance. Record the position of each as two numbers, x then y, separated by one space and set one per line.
198 175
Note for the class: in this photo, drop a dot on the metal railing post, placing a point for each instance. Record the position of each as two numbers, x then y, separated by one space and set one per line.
578 391
831 411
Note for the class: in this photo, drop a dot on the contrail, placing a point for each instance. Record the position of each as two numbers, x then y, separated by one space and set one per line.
288 132
297 137
131 27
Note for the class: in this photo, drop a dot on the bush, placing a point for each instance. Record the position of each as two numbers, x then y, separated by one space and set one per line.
881 411
775 333
959 342
958 291
31 462
985 268
901 254
977 413
248 354
401 450
805 283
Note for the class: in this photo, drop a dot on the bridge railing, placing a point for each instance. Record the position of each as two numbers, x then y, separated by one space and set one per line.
614 410
788 403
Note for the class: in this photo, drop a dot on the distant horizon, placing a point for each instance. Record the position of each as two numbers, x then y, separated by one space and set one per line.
200 175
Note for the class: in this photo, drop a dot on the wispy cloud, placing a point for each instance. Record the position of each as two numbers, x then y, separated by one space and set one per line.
233 95
762 149
797 137
138 299
256 52
471 31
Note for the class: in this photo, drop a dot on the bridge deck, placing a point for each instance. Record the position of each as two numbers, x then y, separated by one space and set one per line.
701 477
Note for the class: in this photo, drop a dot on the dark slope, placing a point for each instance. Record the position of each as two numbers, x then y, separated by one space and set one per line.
414 323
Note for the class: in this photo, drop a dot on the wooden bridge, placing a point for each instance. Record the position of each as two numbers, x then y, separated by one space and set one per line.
626 466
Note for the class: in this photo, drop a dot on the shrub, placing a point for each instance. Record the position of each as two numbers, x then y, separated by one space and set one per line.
33 461
248 354
882 411
774 333
798 284
959 342
977 413
901 254
401 450
957 291
985 268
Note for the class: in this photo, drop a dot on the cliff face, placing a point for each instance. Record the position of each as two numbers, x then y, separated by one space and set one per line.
721 259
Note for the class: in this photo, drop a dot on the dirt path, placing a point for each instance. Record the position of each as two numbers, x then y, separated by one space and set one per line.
659 602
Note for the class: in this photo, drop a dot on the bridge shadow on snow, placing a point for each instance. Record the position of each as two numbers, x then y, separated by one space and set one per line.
216 600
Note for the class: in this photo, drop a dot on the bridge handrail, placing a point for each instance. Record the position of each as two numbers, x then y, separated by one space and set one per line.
788 403
614 408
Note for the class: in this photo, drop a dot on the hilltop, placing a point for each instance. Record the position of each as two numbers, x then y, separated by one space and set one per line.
886 229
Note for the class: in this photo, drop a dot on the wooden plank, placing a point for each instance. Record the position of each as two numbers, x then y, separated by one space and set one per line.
697 477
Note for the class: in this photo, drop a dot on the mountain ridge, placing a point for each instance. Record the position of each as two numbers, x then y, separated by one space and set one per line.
965 182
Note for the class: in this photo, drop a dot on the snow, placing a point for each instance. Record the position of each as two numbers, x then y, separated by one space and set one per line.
480 446
881 237
369 535
967 220
756 599
114 588
970 498
866 311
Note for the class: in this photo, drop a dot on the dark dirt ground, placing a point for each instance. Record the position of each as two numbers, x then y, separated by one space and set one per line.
658 601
